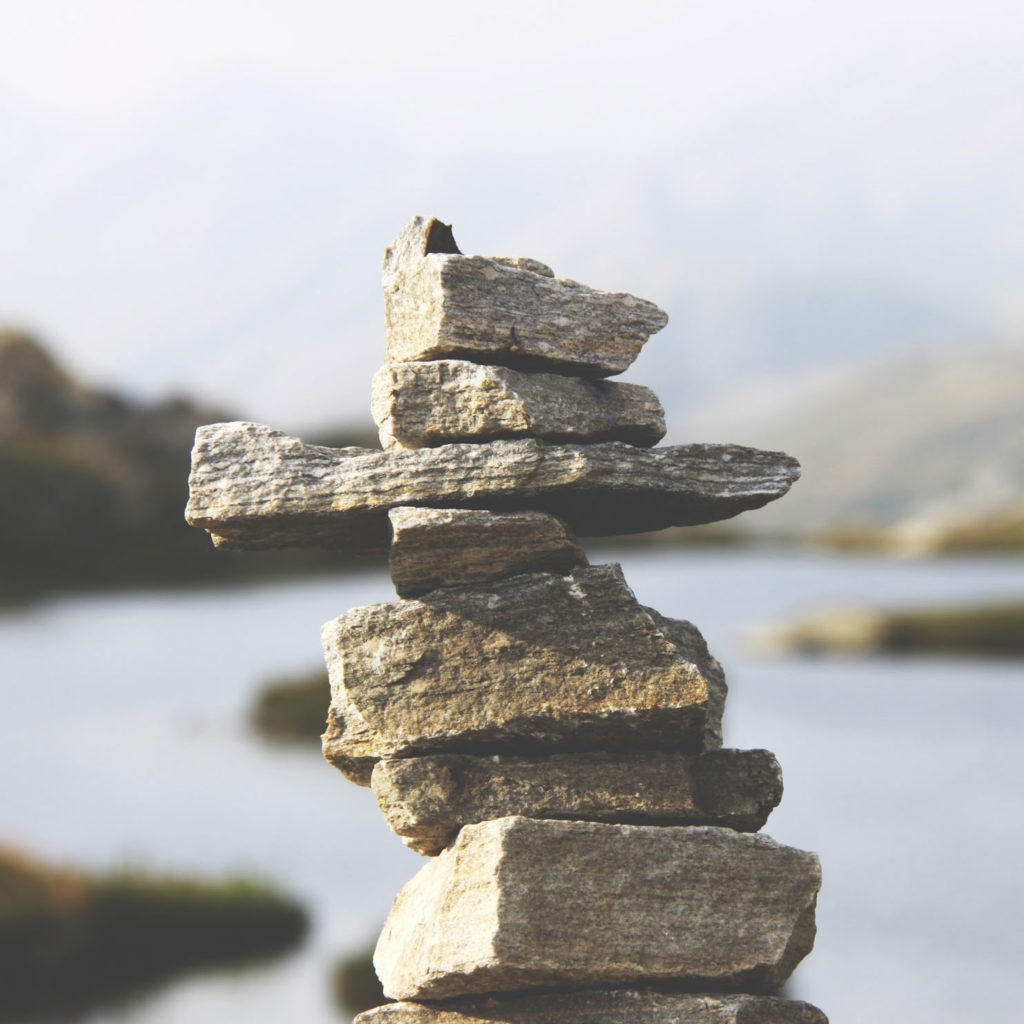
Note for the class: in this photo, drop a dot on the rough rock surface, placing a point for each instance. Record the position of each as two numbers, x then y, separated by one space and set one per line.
418 405
516 903
602 1006
440 304
437 547
254 487
426 800
532 663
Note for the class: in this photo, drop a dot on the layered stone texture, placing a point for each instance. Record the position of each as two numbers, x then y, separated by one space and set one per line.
531 663
440 304
517 904
432 547
253 487
607 1006
419 405
426 800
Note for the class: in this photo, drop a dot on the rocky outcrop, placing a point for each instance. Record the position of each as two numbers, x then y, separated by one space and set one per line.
551 743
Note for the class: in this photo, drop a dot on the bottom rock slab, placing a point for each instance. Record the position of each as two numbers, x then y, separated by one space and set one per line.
518 903
603 1007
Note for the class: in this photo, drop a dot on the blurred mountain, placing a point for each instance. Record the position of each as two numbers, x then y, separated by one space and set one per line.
94 486
920 444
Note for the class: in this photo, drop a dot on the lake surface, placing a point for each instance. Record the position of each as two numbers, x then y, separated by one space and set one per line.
123 740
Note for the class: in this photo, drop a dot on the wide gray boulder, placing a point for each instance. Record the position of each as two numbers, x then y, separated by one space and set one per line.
418 405
515 904
254 487
533 663
602 1006
426 800
436 547
441 304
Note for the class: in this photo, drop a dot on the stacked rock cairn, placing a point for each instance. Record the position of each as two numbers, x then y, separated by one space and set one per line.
552 745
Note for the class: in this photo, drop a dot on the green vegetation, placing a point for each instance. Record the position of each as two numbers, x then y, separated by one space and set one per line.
94 487
294 708
356 986
69 942
990 630
994 630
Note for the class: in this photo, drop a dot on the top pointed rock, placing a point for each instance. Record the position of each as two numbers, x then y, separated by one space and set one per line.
440 304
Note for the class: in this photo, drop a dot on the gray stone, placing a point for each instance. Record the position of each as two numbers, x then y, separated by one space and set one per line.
426 800
602 1006
253 487
438 547
532 663
418 405
440 304
515 904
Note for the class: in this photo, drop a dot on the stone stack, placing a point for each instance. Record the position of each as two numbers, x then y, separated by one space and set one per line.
551 744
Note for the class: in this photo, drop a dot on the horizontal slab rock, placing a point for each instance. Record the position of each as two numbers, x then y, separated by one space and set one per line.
532 663
440 304
253 487
515 904
418 405
426 800
602 1006
434 547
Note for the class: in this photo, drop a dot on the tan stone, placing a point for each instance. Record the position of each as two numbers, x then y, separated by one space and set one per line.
602 1006
426 800
533 663
515 904
419 405
253 487
433 547
440 304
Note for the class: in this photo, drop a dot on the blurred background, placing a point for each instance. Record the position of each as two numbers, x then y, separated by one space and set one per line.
828 201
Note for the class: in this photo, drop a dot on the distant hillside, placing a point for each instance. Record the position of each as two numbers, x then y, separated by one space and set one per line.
928 440
93 486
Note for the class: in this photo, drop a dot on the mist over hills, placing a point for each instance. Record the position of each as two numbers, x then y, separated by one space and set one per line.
929 438
228 246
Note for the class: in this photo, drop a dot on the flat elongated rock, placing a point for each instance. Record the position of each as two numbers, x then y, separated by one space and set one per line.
433 547
531 663
426 800
440 304
418 405
253 487
602 1006
515 904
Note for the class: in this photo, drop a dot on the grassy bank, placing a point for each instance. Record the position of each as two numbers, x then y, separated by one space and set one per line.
70 941
991 630
292 709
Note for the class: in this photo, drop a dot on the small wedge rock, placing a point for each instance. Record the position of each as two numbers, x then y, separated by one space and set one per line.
515 904
435 547
602 1006
426 800
531 663
418 405
253 487
440 304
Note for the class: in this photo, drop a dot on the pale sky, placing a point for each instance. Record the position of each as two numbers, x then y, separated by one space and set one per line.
180 181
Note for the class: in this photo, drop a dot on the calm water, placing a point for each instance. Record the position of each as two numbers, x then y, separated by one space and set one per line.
123 740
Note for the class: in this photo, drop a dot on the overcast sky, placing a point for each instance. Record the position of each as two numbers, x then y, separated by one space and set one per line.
197 195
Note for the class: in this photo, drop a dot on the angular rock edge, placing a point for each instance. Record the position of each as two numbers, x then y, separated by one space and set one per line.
433 548
538 662
602 1006
517 904
439 303
426 800
253 487
423 405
